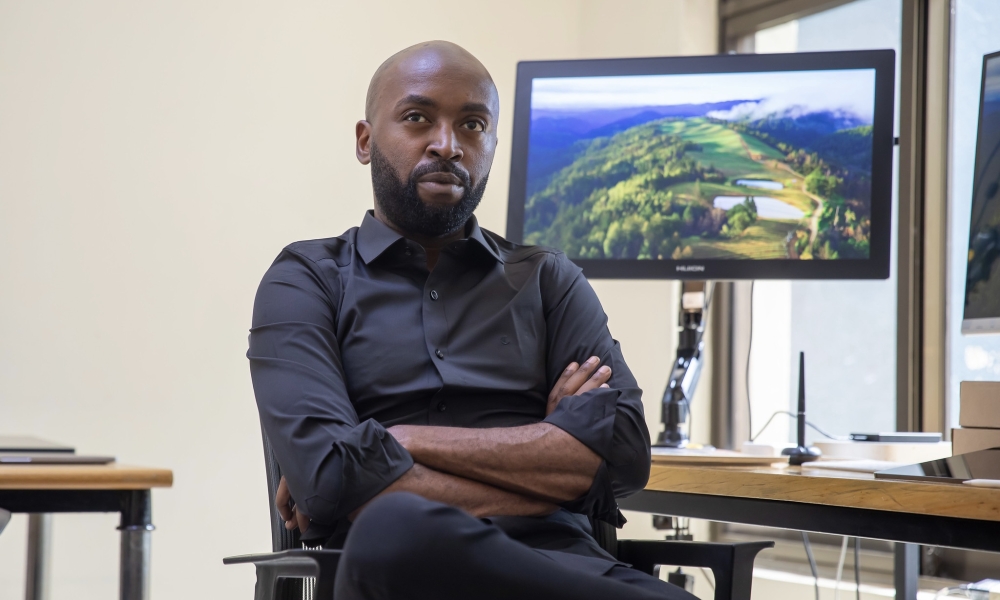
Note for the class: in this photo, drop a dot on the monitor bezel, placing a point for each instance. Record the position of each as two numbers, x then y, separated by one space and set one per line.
978 325
874 267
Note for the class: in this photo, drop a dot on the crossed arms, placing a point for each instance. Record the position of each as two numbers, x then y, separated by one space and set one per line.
522 471
591 447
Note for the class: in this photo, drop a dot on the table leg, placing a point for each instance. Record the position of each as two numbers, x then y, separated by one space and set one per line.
39 542
137 528
906 570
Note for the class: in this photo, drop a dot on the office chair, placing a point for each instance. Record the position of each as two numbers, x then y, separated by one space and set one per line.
291 572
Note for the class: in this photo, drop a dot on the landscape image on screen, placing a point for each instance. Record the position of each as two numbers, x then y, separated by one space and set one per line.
773 165
982 291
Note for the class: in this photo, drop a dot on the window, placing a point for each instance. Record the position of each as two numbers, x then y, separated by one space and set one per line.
846 328
976 33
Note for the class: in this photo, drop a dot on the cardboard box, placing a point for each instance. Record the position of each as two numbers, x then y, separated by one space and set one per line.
968 439
979 404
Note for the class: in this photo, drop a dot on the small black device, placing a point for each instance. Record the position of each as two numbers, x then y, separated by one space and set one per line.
984 464
897 437
801 453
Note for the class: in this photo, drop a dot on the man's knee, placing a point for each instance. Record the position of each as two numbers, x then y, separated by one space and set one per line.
397 529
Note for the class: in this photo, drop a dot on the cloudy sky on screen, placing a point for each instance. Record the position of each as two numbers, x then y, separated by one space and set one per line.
849 91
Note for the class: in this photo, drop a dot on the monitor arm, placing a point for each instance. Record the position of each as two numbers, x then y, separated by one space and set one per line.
695 299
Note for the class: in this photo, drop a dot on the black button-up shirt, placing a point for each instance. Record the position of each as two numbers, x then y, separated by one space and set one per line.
353 334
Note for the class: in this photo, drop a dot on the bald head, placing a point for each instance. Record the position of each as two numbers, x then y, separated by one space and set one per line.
430 136
428 59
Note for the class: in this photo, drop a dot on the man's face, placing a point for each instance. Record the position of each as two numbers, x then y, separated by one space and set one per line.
430 141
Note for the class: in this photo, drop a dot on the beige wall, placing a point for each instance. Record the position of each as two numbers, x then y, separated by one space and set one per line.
154 158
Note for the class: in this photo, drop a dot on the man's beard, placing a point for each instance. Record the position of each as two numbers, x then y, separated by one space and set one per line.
400 202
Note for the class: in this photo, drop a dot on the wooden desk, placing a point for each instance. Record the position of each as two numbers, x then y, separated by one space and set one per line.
837 502
43 489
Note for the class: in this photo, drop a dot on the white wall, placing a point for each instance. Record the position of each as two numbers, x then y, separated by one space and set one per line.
154 158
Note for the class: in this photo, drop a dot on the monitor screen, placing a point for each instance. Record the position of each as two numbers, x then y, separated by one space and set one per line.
982 279
732 167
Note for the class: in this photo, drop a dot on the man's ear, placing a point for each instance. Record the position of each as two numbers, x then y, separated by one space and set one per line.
363 147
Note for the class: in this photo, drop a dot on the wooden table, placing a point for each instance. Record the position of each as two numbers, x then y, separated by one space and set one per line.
44 489
836 502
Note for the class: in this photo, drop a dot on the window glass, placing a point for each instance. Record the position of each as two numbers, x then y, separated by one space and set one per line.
976 33
846 328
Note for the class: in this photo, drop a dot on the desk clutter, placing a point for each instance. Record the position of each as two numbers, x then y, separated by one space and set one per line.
979 417
710 456
29 450
894 452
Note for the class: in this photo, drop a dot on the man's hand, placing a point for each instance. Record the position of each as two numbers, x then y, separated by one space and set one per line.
290 513
577 379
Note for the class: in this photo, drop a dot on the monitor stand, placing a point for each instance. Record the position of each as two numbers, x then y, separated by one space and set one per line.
696 296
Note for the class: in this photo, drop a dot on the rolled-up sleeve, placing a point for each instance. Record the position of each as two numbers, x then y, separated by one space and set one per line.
609 421
333 463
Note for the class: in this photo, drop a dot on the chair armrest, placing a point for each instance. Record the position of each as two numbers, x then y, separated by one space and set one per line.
321 564
732 564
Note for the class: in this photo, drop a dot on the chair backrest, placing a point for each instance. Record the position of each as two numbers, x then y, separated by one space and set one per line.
606 536
281 538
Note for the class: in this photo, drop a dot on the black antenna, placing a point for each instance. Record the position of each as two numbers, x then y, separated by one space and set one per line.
801 454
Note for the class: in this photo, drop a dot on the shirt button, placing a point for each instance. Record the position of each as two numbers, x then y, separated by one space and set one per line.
434 295
408 251
439 354
442 407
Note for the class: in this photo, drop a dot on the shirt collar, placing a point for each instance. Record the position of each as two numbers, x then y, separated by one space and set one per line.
476 234
375 237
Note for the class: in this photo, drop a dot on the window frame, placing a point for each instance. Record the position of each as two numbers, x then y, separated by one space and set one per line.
922 220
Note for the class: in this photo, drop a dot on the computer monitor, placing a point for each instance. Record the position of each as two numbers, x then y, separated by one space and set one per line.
710 167
982 278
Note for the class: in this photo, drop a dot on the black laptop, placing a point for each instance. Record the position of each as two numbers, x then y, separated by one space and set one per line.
29 450
984 464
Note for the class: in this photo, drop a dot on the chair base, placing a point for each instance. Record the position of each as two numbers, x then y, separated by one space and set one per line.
291 564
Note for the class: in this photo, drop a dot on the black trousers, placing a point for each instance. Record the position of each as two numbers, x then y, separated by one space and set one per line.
403 546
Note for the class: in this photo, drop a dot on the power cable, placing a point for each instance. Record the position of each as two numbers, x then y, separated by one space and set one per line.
857 568
809 423
709 577
812 562
840 568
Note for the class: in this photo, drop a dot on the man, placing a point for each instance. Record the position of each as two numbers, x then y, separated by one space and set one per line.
448 407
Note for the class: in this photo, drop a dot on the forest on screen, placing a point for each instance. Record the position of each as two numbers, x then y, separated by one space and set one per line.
769 177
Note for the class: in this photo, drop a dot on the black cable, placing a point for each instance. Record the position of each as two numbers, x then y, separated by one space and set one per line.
842 438
762 429
809 423
747 378
812 562
857 568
